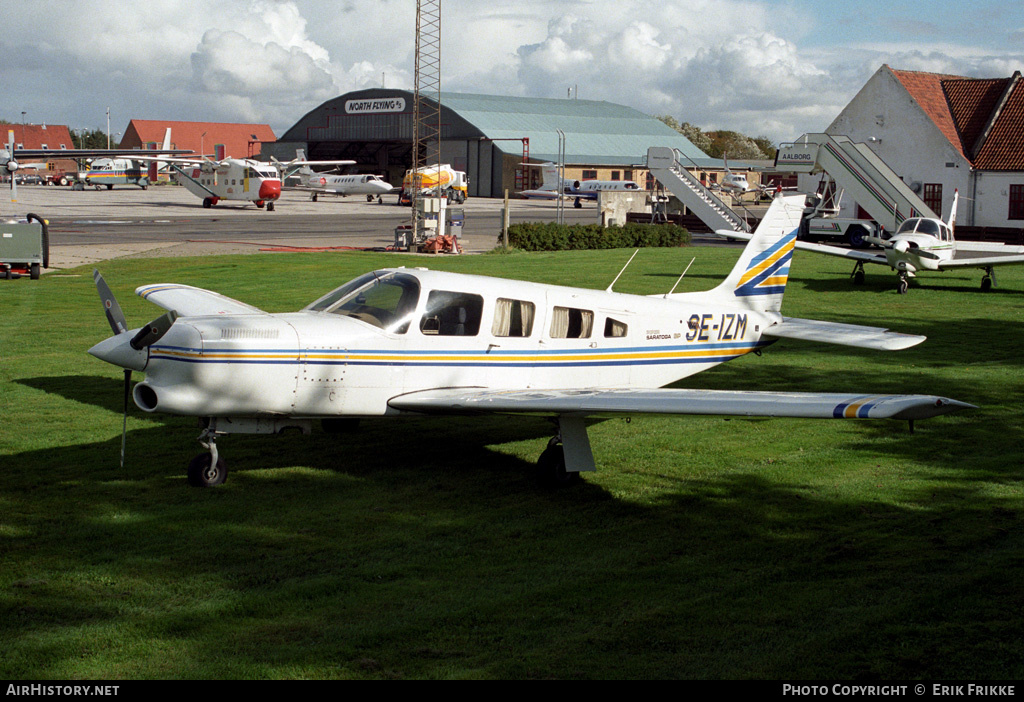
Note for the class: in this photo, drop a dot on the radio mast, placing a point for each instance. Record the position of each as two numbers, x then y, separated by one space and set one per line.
426 130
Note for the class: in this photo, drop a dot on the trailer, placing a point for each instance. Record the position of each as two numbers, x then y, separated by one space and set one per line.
24 247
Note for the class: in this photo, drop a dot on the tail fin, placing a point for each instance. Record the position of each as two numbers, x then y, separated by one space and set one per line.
759 278
549 176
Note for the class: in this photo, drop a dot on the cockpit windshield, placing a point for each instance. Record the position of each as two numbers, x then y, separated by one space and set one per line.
385 299
919 225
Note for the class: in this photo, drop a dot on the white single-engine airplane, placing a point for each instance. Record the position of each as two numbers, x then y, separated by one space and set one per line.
413 341
919 244
552 186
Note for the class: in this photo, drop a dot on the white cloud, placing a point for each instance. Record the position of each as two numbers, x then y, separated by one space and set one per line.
758 67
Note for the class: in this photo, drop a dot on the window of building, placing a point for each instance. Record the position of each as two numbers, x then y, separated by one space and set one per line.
513 318
627 175
589 175
933 197
1016 202
571 323
615 175
451 313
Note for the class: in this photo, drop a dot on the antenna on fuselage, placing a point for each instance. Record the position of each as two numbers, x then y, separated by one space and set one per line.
681 277
609 288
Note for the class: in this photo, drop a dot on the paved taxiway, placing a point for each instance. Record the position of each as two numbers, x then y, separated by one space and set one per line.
90 225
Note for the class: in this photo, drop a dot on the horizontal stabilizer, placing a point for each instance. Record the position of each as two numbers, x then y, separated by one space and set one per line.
188 301
845 334
610 403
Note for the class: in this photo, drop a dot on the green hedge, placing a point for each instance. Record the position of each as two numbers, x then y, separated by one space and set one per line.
547 236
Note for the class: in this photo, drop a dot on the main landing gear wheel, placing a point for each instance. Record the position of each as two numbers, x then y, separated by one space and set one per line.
203 472
858 274
986 283
270 207
207 202
551 470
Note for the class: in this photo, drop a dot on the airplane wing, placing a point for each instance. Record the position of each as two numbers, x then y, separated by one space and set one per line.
188 301
625 402
988 247
980 261
876 338
852 254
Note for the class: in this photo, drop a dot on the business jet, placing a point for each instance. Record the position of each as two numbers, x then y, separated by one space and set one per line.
408 342
921 244
372 186
553 187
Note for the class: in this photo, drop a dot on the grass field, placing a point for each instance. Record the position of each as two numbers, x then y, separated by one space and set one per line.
701 548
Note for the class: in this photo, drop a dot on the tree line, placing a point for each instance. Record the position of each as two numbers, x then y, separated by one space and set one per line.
719 143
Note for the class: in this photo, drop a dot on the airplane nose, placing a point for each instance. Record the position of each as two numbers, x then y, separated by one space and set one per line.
270 190
117 350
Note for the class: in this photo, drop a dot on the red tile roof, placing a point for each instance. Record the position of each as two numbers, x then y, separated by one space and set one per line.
38 136
983 118
239 140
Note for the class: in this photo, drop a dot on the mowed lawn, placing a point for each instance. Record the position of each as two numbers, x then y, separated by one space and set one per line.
701 548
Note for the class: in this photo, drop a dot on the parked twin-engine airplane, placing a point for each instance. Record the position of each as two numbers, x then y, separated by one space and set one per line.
241 179
413 341
10 165
919 244
552 186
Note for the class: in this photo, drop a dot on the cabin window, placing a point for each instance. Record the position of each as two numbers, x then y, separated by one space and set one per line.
1016 202
513 318
385 300
932 196
451 313
613 328
571 323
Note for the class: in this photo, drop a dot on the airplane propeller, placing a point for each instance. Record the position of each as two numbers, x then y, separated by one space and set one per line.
10 164
113 349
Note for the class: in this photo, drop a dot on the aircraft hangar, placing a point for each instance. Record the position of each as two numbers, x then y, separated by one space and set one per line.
487 136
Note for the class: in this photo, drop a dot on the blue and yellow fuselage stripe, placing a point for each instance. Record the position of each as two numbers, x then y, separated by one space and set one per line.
694 353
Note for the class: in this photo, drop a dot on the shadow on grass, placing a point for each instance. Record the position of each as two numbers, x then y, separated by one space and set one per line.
420 548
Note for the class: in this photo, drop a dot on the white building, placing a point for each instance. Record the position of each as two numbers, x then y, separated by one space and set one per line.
941 133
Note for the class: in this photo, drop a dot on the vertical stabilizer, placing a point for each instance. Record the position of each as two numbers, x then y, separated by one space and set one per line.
759 278
549 177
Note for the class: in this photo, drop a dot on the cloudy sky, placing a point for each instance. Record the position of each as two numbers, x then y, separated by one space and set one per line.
776 69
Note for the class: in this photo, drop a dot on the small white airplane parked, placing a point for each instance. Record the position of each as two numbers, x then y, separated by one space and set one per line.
413 341
553 187
920 244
